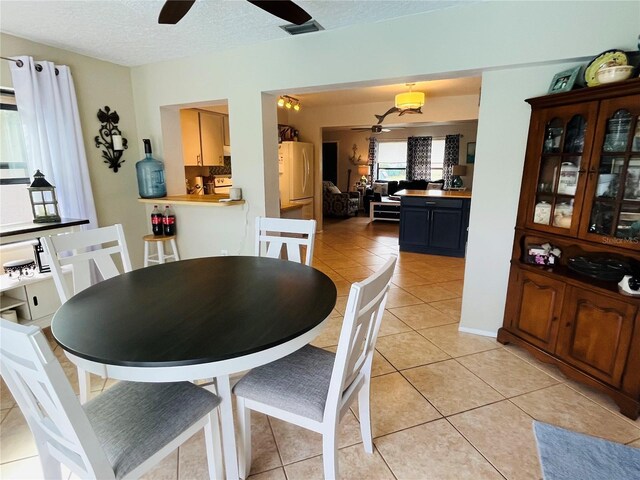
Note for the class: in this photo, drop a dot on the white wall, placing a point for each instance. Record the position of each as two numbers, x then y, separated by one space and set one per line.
494 37
98 83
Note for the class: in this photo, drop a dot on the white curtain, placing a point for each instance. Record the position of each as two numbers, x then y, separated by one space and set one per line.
48 108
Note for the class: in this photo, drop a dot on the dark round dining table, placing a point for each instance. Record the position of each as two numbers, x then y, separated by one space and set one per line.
195 319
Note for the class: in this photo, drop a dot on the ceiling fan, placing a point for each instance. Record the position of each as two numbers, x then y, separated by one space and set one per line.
173 10
376 129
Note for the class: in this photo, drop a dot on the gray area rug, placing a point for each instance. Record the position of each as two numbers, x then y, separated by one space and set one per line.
567 455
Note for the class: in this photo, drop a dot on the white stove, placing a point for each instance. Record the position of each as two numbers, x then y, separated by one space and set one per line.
222 184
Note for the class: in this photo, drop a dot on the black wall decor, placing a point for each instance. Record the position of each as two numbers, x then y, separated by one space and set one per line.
110 138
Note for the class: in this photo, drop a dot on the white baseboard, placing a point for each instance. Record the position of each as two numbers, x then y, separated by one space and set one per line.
475 331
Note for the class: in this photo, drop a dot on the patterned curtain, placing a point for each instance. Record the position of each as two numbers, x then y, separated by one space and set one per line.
451 156
373 157
419 158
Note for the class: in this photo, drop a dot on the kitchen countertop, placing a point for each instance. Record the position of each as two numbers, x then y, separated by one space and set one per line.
435 193
199 200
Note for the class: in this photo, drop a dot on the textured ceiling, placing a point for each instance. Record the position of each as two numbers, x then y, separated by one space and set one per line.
126 32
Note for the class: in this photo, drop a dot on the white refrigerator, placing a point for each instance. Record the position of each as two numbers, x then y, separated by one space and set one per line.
296 175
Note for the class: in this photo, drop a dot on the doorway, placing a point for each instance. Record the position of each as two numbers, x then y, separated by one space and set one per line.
330 162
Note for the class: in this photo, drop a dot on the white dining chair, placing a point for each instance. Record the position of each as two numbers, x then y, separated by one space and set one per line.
313 388
275 234
82 250
120 434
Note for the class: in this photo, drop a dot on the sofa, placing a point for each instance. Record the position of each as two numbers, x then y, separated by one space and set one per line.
338 204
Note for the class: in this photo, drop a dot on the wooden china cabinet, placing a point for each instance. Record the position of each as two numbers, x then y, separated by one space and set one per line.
580 193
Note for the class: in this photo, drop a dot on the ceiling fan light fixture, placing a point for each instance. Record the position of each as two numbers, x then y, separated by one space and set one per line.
409 99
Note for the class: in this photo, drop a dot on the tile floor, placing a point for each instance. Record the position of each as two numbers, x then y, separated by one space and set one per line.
445 405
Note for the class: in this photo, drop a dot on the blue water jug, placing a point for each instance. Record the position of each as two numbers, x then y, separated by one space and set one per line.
151 183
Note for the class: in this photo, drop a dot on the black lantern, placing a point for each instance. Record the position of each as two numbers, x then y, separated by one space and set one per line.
44 203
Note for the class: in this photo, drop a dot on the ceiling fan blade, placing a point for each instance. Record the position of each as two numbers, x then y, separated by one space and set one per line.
284 9
173 11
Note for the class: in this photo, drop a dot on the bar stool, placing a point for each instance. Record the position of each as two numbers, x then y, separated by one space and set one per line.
160 256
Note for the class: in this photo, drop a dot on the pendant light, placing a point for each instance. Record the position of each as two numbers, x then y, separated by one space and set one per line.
410 99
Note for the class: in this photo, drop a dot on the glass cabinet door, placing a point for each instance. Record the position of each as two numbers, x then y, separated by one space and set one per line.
560 170
613 204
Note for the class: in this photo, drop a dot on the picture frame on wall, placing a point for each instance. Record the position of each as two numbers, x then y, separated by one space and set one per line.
564 81
471 152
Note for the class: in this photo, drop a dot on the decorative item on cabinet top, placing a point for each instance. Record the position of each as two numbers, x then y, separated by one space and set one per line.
110 138
565 80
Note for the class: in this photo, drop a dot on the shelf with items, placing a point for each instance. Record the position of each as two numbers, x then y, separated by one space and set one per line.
580 194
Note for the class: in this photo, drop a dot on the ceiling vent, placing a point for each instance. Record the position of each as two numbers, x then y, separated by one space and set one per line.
308 27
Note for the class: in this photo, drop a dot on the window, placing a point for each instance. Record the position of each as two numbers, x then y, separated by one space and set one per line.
392 161
437 159
14 171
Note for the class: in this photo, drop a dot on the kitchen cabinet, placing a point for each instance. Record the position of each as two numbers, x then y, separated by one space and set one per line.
580 192
434 225
202 138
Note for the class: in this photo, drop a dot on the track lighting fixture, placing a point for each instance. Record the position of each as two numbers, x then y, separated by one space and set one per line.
289 102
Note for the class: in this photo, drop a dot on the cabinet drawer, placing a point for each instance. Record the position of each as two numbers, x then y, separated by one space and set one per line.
430 202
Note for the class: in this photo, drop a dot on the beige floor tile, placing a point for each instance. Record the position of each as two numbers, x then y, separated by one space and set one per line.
372 261
507 373
562 406
601 399
167 469
396 405
391 325
380 365
25 469
330 333
456 343
547 368
192 458
635 444
451 307
454 286
264 452
353 463
355 274
296 443
450 387
15 438
407 350
333 275
399 298
341 304
410 279
342 286
434 451
3 414
431 293
498 431
341 262
6 399
422 316
71 371
276 474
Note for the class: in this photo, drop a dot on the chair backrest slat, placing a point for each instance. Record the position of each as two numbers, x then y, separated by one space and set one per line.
49 405
275 234
82 250
363 316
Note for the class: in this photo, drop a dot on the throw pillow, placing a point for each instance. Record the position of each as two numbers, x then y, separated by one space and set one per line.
381 188
334 189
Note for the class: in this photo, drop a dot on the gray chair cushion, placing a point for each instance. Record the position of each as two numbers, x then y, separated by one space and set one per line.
297 383
133 420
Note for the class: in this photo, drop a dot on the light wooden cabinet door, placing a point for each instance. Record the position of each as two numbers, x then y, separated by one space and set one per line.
596 334
190 126
539 306
212 139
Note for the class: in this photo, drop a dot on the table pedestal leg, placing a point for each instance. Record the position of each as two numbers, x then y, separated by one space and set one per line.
228 431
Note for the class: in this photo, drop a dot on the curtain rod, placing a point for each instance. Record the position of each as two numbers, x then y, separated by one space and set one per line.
405 138
20 63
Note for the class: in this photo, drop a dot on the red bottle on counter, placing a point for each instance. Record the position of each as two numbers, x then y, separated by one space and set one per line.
169 221
157 224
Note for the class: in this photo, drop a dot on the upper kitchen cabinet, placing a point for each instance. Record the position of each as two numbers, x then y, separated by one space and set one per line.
202 138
